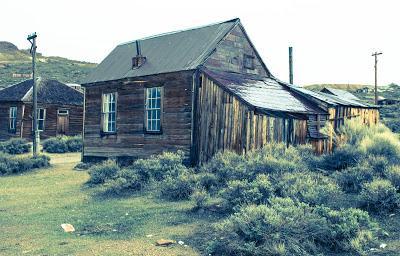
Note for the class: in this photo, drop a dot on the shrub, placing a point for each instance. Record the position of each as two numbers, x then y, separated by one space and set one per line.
383 144
200 198
177 188
103 172
243 192
125 181
311 188
63 144
285 227
208 181
393 174
15 146
227 166
15 165
379 195
352 179
159 167
74 144
341 158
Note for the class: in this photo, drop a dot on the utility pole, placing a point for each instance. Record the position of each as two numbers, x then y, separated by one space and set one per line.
290 64
32 39
375 54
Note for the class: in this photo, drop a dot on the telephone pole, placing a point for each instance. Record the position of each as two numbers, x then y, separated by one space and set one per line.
290 65
375 54
32 39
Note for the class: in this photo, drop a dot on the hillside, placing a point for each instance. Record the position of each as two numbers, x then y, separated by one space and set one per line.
349 87
15 66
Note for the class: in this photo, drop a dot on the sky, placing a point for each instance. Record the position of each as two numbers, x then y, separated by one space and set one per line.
332 40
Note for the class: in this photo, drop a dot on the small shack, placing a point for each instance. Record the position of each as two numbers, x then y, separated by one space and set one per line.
60 110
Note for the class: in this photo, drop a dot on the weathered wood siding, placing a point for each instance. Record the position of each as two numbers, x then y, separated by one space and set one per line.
230 52
50 123
227 123
131 139
24 120
5 133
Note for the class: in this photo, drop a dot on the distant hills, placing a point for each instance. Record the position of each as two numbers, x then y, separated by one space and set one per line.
347 87
15 66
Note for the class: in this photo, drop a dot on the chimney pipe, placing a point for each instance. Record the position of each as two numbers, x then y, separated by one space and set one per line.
138 49
290 64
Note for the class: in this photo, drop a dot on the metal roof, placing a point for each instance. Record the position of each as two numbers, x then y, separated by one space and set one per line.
170 52
263 93
49 91
340 93
328 98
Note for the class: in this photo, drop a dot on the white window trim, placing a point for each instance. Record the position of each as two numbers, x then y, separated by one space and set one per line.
39 119
13 119
104 126
151 108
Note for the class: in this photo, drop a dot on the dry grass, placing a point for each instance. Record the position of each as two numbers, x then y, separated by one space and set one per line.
34 205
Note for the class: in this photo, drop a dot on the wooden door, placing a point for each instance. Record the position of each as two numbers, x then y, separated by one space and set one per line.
62 122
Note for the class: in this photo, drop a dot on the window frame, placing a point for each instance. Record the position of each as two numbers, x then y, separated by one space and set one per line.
12 119
40 119
146 109
248 56
103 113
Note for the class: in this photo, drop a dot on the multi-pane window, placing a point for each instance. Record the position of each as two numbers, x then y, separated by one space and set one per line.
13 119
109 112
153 109
41 116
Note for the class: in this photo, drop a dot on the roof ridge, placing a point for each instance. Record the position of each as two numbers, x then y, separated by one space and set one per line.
179 31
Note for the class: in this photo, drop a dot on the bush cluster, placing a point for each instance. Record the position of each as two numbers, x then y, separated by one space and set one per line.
15 146
63 144
285 227
173 180
14 165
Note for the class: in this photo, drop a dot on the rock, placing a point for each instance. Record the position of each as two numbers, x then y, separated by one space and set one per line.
68 227
165 242
382 246
181 242
150 235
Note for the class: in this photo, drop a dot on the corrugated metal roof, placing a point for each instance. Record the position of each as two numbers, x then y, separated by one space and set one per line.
329 98
263 93
49 91
340 93
170 52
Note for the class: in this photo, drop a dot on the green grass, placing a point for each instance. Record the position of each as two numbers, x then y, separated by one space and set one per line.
34 205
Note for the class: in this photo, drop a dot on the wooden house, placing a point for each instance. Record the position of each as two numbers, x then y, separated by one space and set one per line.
200 91
60 110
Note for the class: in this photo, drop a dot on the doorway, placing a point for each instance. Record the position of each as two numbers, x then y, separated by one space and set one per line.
62 121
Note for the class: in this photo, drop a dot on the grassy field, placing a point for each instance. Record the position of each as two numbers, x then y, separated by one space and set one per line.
34 205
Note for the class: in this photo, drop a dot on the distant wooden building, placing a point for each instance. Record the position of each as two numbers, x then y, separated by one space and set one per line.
60 110
200 90
341 106
384 101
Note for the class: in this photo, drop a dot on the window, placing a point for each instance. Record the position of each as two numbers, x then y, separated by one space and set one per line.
62 112
109 112
13 119
41 116
153 109
248 61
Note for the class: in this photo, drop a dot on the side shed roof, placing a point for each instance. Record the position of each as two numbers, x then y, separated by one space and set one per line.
263 93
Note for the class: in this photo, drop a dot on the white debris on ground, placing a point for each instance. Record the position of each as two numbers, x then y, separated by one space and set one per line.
68 227
383 246
150 235
181 242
